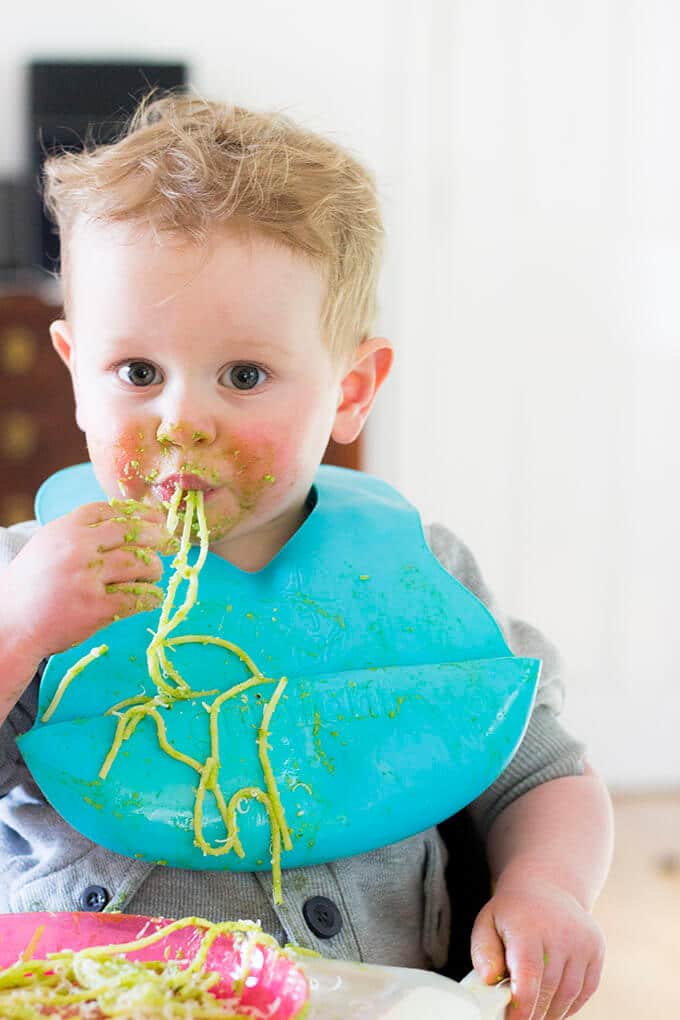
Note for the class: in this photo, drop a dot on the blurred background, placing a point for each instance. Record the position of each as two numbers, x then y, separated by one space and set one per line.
528 159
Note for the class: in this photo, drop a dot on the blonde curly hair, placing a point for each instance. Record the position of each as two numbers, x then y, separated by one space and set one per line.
185 163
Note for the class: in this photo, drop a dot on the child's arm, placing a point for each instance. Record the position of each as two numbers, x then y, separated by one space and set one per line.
73 577
549 853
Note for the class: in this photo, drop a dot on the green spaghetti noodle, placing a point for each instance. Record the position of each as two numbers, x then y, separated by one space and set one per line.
171 686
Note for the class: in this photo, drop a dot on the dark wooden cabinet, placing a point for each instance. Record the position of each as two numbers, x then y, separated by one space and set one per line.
38 433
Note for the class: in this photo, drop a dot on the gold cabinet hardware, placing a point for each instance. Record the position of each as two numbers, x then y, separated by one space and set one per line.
18 435
15 507
18 350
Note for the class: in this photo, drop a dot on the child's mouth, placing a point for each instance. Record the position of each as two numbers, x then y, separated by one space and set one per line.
165 489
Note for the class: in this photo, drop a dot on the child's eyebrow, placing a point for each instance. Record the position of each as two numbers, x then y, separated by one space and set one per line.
250 339
260 344
123 340
245 344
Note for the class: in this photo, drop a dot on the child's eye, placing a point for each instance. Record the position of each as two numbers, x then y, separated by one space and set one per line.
244 377
139 373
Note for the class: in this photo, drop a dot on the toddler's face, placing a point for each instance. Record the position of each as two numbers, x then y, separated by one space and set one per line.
202 366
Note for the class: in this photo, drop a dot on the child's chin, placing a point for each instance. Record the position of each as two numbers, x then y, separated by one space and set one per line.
221 530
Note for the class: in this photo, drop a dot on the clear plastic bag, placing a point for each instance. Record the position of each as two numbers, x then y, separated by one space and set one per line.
339 990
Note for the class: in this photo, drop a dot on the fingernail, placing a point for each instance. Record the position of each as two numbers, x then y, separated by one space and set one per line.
483 966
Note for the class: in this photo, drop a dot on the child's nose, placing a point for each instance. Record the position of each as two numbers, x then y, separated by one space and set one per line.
199 431
186 414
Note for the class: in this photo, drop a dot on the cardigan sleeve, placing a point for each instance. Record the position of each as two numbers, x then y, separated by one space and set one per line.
547 751
22 716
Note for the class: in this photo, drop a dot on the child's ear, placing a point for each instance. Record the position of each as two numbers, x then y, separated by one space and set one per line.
62 341
358 388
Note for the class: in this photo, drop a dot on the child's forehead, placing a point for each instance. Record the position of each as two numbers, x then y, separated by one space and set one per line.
234 279
231 247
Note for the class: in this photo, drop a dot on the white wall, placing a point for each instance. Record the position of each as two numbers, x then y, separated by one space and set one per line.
528 157
538 318
307 56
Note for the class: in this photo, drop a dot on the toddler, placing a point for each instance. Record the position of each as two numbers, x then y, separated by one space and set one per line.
219 272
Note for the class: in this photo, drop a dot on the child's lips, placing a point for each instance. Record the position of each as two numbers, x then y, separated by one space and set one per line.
165 489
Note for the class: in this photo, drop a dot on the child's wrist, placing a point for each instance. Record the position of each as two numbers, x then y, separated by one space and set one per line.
20 655
530 874
17 669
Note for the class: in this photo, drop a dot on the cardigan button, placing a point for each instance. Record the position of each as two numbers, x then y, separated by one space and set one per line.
94 898
322 916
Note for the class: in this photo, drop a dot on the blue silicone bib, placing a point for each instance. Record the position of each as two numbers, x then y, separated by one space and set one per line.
403 702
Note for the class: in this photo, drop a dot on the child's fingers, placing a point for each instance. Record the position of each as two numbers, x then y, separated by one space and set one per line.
486 948
128 522
129 563
95 514
130 507
128 598
525 961
568 991
554 995
590 983
116 532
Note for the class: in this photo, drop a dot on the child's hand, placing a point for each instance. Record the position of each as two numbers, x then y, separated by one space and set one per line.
81 572
550 945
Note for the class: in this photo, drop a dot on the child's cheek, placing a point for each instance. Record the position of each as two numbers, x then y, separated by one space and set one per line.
122 462
132 459
260 460
253 469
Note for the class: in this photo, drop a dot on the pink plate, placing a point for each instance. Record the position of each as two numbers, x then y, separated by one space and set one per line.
275 988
